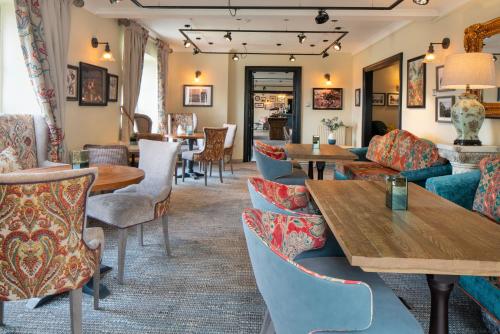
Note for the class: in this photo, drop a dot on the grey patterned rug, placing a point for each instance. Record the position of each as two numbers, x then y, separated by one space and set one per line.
208 285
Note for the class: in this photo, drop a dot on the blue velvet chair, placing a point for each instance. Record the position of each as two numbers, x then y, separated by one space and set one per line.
461 189
281 171
316 294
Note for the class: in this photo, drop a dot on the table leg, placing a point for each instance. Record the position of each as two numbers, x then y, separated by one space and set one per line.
441 287
310 172
320 165
191 172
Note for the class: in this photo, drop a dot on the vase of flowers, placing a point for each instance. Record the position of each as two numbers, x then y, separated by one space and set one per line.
333 124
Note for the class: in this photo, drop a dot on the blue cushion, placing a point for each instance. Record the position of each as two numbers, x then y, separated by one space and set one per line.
360 152
483 291
458 188
298 178
420 176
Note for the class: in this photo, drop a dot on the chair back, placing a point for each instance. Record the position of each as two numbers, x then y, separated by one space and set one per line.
182 119
151 136
18 132
42 251
157 160
143 123
214 144
271 168
231 135
107 154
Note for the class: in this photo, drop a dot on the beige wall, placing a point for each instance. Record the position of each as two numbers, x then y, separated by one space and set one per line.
92 125
386 81
413 40
214 71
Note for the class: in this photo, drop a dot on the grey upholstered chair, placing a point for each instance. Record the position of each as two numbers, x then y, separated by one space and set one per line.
107 154
143 123
145 202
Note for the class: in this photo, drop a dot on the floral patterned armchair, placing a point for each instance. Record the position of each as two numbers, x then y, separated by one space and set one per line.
44 249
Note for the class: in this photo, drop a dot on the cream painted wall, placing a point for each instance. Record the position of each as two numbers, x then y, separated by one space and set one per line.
214 71
386 81
414 40
92 125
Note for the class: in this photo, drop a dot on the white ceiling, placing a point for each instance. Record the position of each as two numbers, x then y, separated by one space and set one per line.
364 27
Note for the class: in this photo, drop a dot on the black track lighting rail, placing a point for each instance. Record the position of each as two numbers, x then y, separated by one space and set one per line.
396 3
338 32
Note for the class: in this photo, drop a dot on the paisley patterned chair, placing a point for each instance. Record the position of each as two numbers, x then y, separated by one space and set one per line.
213 151
44 249
313 295
140 203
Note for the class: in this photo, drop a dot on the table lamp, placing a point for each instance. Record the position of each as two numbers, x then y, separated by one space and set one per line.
468 71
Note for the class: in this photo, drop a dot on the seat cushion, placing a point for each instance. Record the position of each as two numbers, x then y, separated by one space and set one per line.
121 209
298 177
390 316
363 170
485 291
487 199
18 132
189 155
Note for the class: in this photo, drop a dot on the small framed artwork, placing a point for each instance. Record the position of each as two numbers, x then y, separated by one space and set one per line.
272 98
443 108
72 83
327 98
112 88
393 99
439 80
259 105
281 98
93 85
357 97
416 82
378 99
198 95
256 98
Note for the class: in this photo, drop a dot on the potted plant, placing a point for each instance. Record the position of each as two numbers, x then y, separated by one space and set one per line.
333 124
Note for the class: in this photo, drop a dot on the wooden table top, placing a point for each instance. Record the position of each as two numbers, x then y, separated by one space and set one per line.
324 153
195 135
435 236
109 177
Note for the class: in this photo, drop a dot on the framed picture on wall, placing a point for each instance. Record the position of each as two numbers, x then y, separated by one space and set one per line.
72 83
259 105
198 95
416 82
112 88
393 99
378 99
93 90
272 98
327 98
357 97
439 80
256 98
443 108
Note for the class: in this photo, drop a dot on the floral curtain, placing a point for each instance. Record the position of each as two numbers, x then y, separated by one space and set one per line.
35 22
163 52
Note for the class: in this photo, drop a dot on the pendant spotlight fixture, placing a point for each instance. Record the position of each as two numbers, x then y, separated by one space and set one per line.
228 36
78 3
187 43
292 58
325 54
302 37
196 51
421 2
337 46
235 57
430 56
322 17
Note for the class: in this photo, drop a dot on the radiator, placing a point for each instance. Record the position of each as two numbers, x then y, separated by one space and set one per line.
343 135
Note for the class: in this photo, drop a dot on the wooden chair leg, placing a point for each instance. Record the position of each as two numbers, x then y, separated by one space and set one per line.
211 168
122 246
206 172
140 235
183 169
221 164
164 224
175 172
75 310
1 313
96 285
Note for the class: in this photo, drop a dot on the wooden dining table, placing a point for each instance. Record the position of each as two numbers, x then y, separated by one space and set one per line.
191 139
325 153
434 237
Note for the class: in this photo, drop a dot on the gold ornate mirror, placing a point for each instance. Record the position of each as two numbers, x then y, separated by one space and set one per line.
486 37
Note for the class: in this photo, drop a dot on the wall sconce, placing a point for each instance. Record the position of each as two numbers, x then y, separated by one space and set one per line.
107 55
197 76
430 56
328 79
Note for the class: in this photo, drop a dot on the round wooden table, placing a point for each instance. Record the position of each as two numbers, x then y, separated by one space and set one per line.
185 136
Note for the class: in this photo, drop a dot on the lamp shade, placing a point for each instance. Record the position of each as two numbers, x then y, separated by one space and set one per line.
469 70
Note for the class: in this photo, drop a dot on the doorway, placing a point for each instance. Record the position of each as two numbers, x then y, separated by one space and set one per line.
272 106
382 91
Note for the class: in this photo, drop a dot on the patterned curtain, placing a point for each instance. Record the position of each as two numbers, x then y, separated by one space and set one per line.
46 81
163 51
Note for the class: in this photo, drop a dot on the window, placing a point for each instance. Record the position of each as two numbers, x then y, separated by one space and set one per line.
16 92
148 96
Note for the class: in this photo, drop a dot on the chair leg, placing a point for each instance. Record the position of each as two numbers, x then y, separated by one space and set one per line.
210 168
231 162
175 173
1 313
75 310
140 235
221 164
206 172
164 224
96 285
122 246
183 169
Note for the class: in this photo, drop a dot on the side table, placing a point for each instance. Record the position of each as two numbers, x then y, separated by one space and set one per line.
466 158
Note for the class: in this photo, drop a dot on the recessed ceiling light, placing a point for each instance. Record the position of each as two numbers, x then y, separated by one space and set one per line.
325 40
244 43
279 44
338 28
187 26
238 19
322 17
210 43
313 45
198 38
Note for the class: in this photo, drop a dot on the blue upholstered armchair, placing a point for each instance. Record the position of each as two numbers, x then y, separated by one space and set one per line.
280 171
316 294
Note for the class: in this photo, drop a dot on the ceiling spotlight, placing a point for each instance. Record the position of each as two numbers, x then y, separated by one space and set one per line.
421 2
114 1
322 17
196 51
228 37
187 43
337 46
325 54
292 58
235 57
301 37
78 3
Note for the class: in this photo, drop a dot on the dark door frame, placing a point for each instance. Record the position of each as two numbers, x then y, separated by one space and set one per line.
368 91
249 111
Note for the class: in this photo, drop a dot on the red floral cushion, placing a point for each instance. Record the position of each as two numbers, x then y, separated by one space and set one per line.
271 154
285 197
487 200
364 170
288 235
267 147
